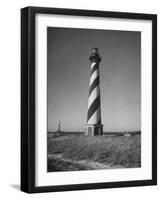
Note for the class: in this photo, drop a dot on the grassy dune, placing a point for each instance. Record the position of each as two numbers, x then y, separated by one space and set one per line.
124 151
60 165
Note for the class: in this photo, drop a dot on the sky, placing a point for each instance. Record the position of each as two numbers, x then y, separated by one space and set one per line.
68 71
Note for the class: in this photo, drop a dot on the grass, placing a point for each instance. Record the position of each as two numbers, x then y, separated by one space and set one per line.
60 165
124 151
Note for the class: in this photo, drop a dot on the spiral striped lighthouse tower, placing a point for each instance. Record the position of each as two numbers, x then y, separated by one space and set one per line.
94 125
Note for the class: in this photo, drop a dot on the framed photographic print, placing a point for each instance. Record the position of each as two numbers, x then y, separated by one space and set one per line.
88 99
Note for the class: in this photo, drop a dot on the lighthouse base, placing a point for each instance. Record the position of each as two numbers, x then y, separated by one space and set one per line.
94 129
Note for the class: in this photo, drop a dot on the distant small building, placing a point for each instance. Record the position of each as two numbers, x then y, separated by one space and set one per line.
127 134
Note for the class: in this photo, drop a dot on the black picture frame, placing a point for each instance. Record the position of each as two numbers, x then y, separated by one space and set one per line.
28 98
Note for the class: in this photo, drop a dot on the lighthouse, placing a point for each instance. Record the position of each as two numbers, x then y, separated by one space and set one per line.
94 125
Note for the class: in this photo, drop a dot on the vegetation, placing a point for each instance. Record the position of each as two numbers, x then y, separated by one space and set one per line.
60 165
110 151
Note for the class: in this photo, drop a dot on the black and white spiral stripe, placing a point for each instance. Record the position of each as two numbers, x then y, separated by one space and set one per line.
94 109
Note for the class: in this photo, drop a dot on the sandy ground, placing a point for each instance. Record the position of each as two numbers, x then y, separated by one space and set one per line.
86 164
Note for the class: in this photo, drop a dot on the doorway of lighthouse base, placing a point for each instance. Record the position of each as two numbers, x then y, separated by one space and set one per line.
89 130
